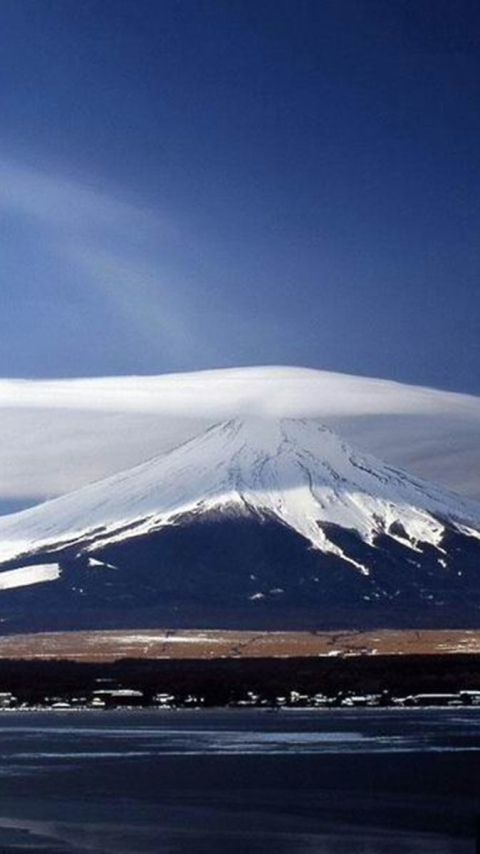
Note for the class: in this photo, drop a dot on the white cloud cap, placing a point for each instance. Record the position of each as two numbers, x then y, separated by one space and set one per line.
56 435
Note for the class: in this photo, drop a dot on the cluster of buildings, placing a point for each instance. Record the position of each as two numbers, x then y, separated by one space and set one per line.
113 697
348 699
351 700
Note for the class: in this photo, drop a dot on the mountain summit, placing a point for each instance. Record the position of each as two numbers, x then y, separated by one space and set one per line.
260 521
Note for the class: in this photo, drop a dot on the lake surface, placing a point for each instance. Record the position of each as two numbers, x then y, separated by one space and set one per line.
240 782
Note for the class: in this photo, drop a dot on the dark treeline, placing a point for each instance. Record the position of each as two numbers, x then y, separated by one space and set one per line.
220 682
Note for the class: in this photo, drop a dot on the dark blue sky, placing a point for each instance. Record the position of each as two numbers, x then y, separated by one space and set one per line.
199 184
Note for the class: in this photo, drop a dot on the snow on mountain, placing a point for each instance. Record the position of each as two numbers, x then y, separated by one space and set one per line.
25 576
292 470
58 435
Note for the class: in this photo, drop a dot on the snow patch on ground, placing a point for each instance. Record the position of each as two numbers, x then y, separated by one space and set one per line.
148 638
24 576
99 564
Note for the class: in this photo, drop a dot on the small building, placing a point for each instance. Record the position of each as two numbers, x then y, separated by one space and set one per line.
192 700
470 698
7 700
359 700
433 700
78 702
164 700
298 699
320 700
250 699
113 697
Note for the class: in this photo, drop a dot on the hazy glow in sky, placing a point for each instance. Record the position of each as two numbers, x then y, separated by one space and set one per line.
188 185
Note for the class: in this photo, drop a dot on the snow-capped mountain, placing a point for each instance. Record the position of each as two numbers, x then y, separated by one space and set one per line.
267 519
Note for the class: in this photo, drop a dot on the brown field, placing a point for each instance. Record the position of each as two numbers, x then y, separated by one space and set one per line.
104 646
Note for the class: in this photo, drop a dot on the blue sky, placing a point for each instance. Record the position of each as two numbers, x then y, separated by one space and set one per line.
206 184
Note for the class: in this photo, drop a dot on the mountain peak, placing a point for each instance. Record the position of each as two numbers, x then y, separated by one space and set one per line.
295 470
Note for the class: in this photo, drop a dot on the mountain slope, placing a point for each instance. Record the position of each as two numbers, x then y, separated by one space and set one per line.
249 513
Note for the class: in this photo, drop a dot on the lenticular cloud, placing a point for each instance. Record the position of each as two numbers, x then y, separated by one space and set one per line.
59 435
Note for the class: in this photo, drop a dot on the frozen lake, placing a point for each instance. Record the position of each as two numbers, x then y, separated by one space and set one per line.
240 782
